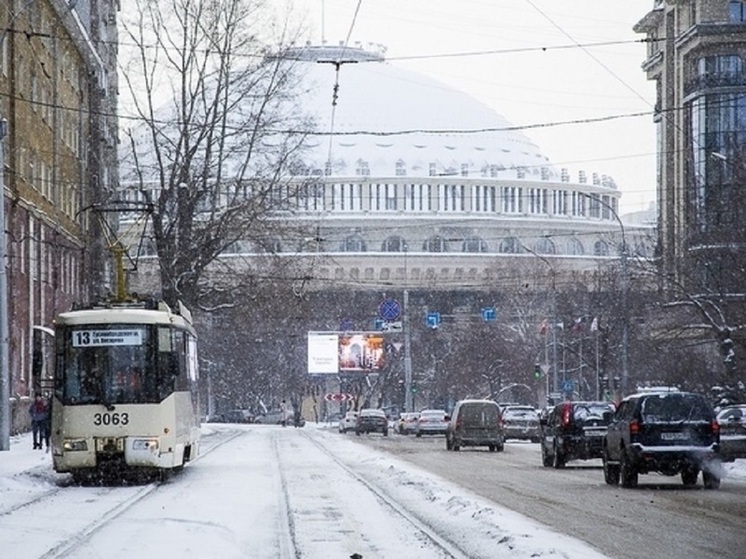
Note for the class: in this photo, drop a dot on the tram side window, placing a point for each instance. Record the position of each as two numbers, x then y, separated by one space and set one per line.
171 361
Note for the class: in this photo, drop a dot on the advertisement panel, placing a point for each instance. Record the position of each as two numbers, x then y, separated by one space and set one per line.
342 352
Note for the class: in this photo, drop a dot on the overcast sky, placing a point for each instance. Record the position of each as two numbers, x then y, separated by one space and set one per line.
536 62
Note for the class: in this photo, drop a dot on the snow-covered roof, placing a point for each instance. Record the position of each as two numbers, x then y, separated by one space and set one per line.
391 119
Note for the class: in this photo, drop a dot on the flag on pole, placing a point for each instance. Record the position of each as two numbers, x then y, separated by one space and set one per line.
543 327
578 324
594 324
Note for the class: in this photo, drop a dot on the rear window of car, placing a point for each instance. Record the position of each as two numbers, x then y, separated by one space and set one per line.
732 414
522 413
583 411
479 413
667 408
372 413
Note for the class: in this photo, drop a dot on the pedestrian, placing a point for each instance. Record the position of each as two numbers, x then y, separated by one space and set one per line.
39 412
283 413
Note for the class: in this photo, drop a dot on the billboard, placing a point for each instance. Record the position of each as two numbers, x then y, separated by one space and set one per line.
344 352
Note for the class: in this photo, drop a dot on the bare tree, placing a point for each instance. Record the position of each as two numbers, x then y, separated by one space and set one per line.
214 131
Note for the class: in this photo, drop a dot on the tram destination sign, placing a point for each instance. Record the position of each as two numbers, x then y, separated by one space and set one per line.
96 338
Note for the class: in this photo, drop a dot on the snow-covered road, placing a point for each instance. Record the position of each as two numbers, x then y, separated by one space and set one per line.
264 492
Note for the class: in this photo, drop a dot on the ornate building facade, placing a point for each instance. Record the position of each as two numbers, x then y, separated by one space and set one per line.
58 91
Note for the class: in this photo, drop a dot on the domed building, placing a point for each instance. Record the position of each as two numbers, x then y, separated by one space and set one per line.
417 184
406 182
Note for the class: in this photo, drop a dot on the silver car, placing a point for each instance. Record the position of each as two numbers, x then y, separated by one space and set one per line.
521 422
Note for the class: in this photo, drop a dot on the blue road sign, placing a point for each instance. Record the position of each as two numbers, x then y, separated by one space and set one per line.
378 324
433 319
489 314
389 309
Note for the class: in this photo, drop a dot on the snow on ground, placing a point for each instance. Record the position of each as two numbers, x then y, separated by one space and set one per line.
227 505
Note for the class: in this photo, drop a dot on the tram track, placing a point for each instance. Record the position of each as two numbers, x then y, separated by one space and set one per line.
419 524
124 497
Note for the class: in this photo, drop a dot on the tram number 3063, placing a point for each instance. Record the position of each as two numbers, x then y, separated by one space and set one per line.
111 418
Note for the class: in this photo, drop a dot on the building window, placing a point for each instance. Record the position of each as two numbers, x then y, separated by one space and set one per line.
474 244
544 246
575 247
435 244
509 245
600 248
394 244
353 243
737 11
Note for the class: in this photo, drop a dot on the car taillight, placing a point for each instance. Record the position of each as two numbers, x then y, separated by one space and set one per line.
634 427
715 427
566 414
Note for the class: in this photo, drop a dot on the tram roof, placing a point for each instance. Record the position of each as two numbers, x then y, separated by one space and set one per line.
127 314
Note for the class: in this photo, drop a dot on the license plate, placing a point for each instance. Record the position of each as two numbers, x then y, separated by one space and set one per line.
595 432
675 436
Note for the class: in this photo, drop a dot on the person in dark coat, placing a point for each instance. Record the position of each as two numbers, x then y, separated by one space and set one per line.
39 412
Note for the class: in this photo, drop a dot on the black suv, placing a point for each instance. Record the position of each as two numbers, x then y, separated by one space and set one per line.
573 431
666 432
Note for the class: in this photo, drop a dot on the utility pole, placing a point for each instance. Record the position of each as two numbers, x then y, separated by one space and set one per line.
4 360
408 400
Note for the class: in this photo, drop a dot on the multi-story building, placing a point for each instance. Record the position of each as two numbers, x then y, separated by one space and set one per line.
58 95
696 52
415 184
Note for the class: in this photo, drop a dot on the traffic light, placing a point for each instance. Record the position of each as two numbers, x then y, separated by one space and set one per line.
537 371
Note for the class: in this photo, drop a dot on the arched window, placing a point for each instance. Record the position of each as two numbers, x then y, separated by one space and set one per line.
544 246
474 244
435 243
394 244
509 245
600 248
353 243
270 245
575 247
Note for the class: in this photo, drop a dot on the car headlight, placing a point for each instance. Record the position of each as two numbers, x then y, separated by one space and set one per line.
145 444
74 445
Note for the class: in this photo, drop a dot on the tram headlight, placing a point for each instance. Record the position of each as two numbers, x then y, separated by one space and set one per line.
74 445
145 444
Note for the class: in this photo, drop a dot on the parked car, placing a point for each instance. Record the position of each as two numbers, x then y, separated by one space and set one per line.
407 423
732 421
521 422
574 431
475 423
348 422
431 422
372 421
271 417
238 416
669 433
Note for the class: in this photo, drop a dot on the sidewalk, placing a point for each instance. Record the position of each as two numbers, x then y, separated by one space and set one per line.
22 457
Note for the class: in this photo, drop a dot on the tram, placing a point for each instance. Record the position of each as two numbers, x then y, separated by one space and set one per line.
125 397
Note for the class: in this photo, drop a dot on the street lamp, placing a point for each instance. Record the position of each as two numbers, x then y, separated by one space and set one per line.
624 289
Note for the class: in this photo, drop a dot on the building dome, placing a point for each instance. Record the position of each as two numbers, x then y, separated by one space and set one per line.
387 121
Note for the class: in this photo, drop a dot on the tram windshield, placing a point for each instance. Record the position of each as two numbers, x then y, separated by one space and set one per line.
113 364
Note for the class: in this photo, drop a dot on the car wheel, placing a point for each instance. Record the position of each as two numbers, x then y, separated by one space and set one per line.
558 460
501 447
491 447
711 480
456 446
419 434
546 460
385 432
357 432
449 444
611 471
627 472
689 476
